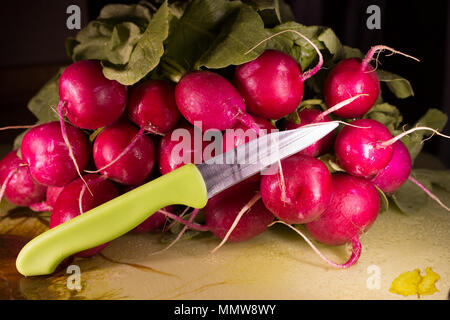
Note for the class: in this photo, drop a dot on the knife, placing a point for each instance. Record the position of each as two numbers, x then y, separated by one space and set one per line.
190 185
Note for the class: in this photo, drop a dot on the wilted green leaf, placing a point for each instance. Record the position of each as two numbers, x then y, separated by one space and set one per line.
433 118
146 54
196 30
330 161
399 86
409 198
440 178
349 52
241 32
293 117
43 104
387 114
269 10
332 43
384 201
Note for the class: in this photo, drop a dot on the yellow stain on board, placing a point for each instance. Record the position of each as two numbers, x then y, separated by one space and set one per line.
413 283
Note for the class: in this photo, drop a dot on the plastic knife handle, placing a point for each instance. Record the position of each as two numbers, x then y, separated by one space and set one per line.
112 219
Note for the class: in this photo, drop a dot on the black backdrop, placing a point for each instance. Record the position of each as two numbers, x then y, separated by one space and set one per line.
33 33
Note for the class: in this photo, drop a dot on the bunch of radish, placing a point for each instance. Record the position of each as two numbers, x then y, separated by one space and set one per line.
111 137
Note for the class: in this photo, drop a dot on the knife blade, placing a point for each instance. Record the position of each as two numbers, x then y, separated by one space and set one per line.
190 185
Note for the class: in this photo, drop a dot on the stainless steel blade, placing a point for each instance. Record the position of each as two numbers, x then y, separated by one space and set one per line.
231 167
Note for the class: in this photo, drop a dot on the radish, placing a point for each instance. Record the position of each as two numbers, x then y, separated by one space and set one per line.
209 98
50 199
359 148
272 85
240 201
302 197
49 158
308 116
182 145
351 77
131 168
397 171
151 105
18 186
92 101
353 208
73 201
152 223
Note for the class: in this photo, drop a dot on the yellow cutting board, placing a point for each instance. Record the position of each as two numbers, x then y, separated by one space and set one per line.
277 264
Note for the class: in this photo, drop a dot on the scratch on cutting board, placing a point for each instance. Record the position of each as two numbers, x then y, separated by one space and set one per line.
199 289
140 267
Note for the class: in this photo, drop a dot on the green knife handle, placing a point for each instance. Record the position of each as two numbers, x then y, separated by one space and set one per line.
112 219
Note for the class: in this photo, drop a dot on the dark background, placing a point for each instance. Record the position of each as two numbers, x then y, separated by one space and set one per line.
33 34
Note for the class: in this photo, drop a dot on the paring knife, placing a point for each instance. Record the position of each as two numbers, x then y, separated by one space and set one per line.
190 185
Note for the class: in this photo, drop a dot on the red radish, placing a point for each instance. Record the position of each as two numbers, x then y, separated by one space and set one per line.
307 190
131 168
179 147
395 174
18 186
348 79
72 202
222 210
47 155
308 116
352 210
240 134
351 77
209 98
359 148
272 85
152 223
53 194
151 105
92 101
50 199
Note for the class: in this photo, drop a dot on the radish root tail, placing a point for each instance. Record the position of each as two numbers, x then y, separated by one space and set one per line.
191 219
356 248
124 151
338 106
401 135
428 192
380 48
66 140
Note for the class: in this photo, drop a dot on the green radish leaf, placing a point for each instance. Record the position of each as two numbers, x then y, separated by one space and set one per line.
433 118
242 30
113 35
387 114
409 198
293 117
332 43
196 30
398 85
43 104
384 201
330 161
146 54
440 178
268 10
349 52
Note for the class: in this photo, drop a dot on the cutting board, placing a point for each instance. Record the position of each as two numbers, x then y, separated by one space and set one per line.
277 264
